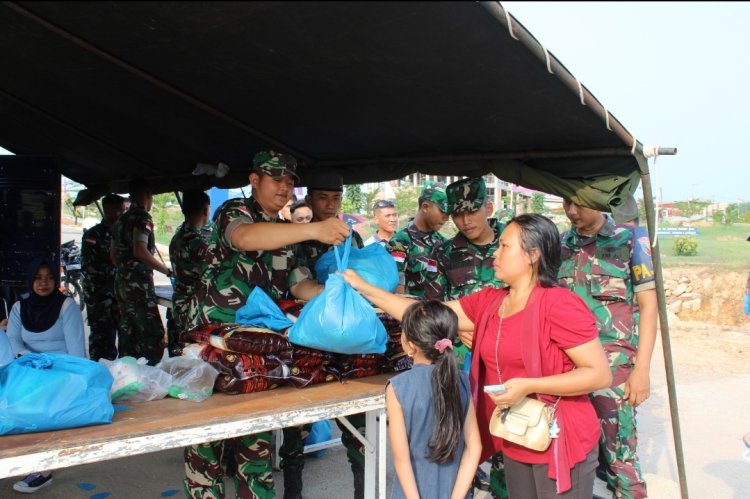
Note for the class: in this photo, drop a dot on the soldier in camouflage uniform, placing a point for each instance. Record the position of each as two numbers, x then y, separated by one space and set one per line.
324 196
250 246
187 254
609 266
411 247
132 250
464 266
99 281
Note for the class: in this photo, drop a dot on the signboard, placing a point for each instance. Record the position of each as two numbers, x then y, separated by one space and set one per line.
677 231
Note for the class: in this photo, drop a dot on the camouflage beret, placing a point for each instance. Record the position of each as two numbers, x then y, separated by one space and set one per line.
435 193
275 164
466 195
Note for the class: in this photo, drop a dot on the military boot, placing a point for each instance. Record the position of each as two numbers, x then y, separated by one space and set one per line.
292 480
359 480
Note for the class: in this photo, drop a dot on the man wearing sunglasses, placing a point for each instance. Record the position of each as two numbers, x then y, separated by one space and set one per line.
386 218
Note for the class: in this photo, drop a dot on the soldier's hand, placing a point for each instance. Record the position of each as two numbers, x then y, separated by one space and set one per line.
637 387
4 323
331 231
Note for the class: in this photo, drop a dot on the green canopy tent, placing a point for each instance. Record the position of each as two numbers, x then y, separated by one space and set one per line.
123 90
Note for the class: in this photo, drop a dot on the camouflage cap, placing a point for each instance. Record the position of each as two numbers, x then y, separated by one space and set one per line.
466 195
275 164
435 193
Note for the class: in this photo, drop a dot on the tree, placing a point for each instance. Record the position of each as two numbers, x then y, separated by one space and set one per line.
370 198
406 200
353 199
537 203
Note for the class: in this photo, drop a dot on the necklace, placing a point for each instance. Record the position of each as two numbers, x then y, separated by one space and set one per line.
497 340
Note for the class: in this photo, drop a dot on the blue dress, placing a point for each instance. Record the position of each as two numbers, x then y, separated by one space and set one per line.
413 390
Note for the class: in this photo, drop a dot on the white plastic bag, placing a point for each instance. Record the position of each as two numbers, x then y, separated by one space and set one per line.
136 381
192 379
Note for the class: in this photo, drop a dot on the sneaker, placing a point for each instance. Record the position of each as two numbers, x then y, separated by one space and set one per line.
32 483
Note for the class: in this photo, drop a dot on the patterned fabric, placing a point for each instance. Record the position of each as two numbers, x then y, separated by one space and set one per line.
308 252
141 329
253 478
411 249
99 291
606 270
463 267
435 193
275 164
187 253
466 195
619 439
231 275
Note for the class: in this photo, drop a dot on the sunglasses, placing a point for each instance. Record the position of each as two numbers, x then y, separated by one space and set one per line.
384 204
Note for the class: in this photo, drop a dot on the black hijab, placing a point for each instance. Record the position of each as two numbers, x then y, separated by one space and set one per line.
39 313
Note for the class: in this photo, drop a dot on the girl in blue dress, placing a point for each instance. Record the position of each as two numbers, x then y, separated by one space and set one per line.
432 426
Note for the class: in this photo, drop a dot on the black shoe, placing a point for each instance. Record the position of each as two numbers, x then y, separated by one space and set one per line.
481 480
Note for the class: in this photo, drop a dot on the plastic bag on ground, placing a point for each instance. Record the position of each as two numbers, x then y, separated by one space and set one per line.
320 432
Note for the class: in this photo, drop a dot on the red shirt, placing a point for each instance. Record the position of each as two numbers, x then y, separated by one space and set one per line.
569 324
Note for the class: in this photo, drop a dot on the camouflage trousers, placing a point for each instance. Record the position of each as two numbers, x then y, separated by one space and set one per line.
498 485
617 447
103 318
355 451
141 328
253 479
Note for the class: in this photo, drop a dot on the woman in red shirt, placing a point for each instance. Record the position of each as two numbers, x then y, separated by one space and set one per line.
539 340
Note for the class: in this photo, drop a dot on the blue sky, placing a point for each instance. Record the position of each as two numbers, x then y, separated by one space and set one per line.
674 73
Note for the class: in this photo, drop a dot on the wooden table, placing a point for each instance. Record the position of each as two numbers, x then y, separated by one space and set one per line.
171 423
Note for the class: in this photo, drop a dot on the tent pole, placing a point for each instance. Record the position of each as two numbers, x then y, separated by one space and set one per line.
648 199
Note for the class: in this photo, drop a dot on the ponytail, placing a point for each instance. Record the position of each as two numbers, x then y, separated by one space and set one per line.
428 324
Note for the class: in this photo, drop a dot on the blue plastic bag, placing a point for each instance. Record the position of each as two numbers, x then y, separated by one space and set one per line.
261 311
320 432
339 319
747 304
52 391
373 263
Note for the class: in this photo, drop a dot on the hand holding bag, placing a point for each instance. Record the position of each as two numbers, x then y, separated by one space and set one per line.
530 423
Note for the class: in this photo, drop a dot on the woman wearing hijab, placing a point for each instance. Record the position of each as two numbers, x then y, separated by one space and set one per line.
45 320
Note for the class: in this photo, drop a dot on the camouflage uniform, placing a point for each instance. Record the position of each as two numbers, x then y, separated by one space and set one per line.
308 253
464 268
187 253
141 329
229 279
411 249
99 292
606 271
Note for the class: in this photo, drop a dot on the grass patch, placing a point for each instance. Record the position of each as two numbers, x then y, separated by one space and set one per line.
720 246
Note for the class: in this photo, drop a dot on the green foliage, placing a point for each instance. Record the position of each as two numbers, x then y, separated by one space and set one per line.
685 246
406 200
353 199
719 217
370 198
692 206
537 203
